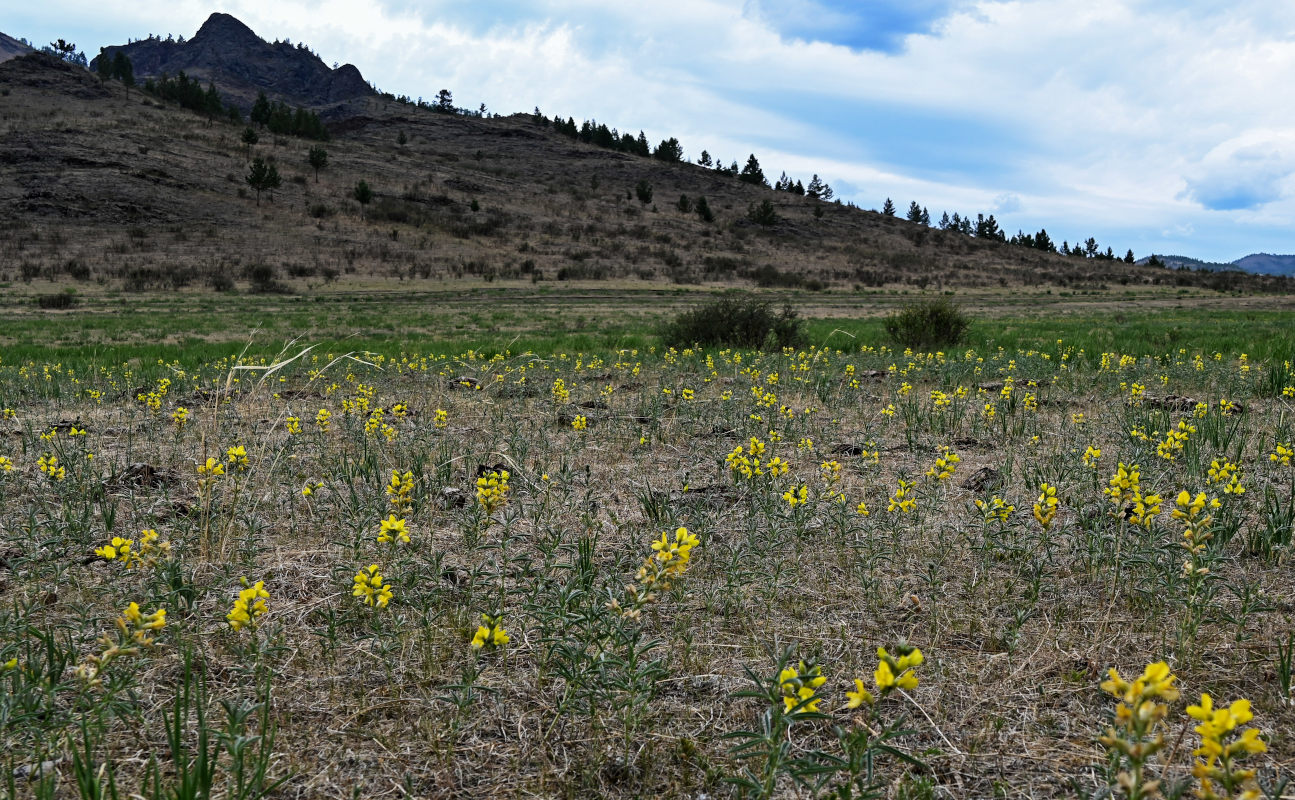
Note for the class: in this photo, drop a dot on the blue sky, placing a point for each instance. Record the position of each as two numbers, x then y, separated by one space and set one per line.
1157 125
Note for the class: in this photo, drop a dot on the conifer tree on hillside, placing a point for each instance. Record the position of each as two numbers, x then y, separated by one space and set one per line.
914 212
318 159
888 208
263 177
752 173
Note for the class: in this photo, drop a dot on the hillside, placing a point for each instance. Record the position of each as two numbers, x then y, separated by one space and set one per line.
12 48
241 64
100 183
1267 264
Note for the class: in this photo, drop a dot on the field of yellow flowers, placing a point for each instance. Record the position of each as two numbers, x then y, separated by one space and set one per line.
815 573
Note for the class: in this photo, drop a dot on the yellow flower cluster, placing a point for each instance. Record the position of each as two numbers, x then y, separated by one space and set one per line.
668 562
1091 455
997 509
1125 487
369 585
904 499
250 605
1045 508
892 673
322 420
560 392
400 491
1196 532
944 466
237 457
580 423
1282 455
440 418
5 464
492 490
135 630
1229 475
490 634
747 462
799 685
49 465
1221 748
1137 733
392 529
179 417
293 425
150 550
796 496
1175 440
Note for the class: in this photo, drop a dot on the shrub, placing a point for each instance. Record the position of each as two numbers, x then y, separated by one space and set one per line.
762 214
57 301
736 320
928 323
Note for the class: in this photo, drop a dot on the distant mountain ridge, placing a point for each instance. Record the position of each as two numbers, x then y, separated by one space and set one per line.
1257 263
242 64
12 48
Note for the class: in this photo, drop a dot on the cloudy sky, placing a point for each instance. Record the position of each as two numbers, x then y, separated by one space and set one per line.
1158 125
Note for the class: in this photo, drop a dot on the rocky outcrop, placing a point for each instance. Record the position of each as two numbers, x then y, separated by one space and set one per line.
242 64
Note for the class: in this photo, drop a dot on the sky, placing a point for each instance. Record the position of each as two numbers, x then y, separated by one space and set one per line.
1154 125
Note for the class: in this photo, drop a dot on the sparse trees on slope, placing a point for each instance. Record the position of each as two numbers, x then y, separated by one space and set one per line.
669 150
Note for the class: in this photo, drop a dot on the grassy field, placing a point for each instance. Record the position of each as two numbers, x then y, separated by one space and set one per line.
604 568
438 316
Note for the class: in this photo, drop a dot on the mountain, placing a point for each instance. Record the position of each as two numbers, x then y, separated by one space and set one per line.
1255 263
241 64
12 48
122 189
1267 264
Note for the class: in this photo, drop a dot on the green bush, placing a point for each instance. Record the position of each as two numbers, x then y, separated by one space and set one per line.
928 323
59 301
738 321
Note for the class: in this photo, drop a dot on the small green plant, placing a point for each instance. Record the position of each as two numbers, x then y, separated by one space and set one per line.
738 320
928 323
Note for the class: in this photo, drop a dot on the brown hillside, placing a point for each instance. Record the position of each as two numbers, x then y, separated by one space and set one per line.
102 184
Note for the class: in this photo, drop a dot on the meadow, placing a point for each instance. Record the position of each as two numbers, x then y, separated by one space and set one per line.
559 559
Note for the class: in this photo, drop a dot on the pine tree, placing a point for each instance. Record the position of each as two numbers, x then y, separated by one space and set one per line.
889 208
945 223
1044 242
684 205
445 101
249 138
926 217
263 177
318 159
1128 257
260 113
644 192
363 195
799 189
669 150
752 173
914 212
762 213
703 210
704 160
